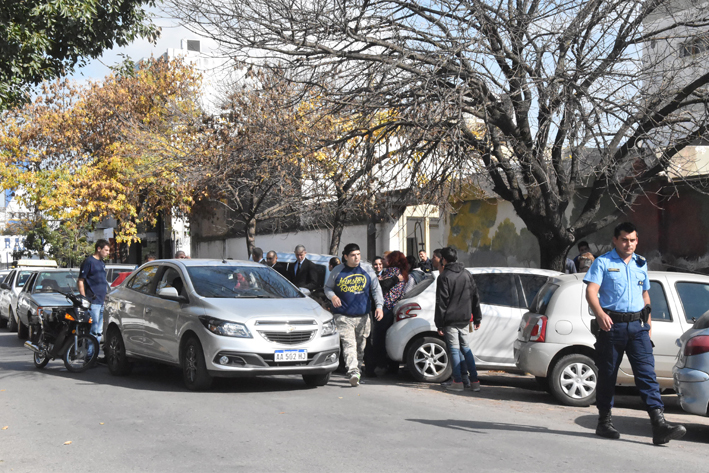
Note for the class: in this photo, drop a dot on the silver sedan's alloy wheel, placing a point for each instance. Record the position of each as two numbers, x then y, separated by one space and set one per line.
430 360
578 380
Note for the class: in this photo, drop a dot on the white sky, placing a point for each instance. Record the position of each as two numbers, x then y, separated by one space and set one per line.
170 37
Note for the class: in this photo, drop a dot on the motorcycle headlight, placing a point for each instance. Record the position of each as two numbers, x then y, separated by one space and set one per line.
328 328
225 328
85 303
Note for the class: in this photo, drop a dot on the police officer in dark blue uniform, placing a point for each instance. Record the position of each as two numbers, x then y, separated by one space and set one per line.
617 292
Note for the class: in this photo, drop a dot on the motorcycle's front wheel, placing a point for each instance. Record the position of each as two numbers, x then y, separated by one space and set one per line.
40 359
81 354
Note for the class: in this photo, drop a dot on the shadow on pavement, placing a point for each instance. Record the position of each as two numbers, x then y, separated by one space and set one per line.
17 362
477 427
496 386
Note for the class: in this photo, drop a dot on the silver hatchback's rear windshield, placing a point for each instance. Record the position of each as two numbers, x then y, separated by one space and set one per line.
240 282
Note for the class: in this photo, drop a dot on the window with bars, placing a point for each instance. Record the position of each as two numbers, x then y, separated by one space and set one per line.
695 46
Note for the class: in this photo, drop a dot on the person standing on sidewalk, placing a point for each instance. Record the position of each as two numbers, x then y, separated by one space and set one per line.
617 292
93 285
457 299
351 288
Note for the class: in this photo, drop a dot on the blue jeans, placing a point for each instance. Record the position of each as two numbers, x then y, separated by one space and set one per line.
633 339
457 341
96 311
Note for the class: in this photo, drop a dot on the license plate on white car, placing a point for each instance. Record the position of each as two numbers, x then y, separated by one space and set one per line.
290 355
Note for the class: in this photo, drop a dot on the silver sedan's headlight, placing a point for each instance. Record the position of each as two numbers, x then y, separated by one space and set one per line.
328 328
225 328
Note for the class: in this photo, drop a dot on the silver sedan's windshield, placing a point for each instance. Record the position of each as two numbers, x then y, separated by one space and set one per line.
240 282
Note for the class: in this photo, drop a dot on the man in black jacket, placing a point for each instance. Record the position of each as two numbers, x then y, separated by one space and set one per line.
302 273
456 299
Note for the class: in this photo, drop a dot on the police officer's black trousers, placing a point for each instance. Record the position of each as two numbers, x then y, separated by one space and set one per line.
633 339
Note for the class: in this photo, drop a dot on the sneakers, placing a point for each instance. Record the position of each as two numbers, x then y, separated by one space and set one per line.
474 386
456 387
354 380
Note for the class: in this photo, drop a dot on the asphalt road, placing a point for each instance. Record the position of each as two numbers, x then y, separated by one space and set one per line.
149 422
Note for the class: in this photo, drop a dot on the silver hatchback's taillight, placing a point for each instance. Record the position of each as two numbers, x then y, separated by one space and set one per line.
539 329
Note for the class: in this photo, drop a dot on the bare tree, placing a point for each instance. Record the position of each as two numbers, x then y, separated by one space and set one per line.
579 101
352 159
252 167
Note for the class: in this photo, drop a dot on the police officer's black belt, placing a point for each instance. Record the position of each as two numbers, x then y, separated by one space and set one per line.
621 317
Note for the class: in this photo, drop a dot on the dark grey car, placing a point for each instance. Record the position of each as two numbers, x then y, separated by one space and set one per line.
42 292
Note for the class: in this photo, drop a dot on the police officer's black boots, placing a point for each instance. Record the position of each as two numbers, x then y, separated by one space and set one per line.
605 425
662 432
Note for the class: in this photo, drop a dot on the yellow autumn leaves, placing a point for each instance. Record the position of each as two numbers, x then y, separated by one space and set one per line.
113 148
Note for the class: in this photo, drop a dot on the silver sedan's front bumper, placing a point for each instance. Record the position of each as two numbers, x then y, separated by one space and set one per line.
692 387
255 356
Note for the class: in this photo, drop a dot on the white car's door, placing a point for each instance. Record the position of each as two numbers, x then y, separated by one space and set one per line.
502 312
5 295
668 324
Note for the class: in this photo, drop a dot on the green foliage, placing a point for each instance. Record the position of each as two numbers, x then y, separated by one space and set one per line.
67 244
45 39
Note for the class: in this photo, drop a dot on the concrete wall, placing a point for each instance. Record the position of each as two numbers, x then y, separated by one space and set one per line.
315 241
390 236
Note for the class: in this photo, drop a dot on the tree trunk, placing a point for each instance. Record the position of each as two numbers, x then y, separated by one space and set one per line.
250 235
337 228
552 254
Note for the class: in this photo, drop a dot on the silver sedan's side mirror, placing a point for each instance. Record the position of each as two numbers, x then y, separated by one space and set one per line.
305 290
171 294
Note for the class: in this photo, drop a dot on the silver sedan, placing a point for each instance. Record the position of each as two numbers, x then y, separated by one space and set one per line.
691 372
218 319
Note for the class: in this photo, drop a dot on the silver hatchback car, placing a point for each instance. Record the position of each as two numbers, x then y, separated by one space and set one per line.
218 318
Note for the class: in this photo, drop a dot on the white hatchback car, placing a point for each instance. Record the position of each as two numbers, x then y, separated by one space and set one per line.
555 343
505 294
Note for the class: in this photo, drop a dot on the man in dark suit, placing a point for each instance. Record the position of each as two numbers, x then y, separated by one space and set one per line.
272 262
302 273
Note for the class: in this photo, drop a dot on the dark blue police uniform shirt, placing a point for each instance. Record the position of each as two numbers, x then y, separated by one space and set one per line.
622 285
93 272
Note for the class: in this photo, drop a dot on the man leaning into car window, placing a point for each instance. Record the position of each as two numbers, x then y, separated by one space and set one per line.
351 288
92 284
617 292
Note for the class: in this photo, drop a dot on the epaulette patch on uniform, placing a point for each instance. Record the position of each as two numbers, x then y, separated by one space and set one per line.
640 261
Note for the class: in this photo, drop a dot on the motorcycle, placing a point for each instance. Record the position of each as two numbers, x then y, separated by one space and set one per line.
64 332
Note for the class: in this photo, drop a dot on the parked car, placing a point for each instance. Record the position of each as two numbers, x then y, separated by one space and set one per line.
34 263
9 290
114 270
218 318
555 343
42 293
505 294
691 372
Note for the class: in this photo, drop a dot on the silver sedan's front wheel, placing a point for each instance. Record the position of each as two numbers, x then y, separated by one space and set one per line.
428 361
574 379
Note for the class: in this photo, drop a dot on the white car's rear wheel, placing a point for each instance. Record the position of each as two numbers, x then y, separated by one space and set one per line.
574 379
428 360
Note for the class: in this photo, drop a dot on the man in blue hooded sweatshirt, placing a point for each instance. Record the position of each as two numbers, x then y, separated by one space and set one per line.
351 288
